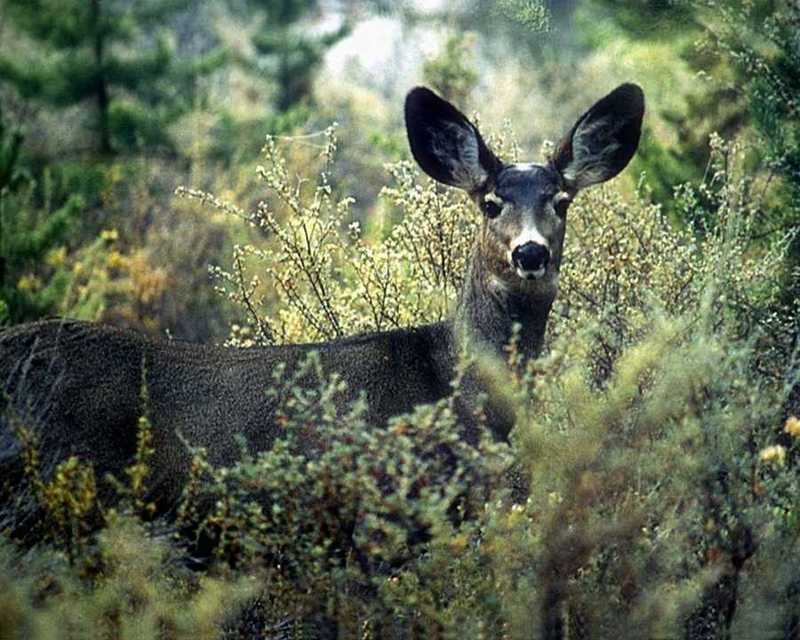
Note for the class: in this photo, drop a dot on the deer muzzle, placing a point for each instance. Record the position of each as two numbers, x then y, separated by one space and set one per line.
530 260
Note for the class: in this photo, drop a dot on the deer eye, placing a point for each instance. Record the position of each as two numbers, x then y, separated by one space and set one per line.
561 203
491 209
492 206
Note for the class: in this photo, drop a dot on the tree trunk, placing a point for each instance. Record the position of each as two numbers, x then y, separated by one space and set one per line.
101 85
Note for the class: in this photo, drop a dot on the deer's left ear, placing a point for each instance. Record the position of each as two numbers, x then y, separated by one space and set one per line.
445 144
603 140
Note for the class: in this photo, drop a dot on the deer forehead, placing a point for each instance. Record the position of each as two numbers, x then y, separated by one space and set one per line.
526 184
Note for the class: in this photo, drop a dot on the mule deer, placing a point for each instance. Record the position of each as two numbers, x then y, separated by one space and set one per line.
78 383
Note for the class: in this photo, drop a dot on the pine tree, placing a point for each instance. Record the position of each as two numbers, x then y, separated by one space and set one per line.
27 235
104 52
286 57
289 54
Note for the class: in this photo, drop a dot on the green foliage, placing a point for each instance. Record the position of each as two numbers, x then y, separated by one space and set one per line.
327 277
97 240
235 140
650 18
27 237
759 39
531 14
289 56
696 109
53 260
649 528
11 177
331 511
128 586
452 73
83 51
745 56
629 257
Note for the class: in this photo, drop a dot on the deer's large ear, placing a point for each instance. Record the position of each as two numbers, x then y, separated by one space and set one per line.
603 140
445 143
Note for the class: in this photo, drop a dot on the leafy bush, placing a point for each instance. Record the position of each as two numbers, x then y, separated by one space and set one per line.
652 445
333 513
130 586
601 420
743 57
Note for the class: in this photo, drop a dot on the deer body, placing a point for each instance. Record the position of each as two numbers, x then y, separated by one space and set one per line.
79 384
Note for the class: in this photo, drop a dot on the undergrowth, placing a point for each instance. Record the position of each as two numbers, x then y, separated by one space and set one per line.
655 444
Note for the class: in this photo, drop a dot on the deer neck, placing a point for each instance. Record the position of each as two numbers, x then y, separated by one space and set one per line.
489 307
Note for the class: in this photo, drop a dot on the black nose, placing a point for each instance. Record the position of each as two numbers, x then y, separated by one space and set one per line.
531 256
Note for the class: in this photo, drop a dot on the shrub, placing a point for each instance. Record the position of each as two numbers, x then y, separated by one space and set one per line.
652 443
646 429
129 586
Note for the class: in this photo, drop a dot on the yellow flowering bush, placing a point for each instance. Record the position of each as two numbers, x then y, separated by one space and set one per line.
792 426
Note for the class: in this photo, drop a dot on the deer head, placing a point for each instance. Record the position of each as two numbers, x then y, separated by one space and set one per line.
524 205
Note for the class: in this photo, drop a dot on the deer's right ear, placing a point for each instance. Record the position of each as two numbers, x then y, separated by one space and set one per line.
445 144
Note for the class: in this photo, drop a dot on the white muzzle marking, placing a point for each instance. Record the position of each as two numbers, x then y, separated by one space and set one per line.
531 275
528 234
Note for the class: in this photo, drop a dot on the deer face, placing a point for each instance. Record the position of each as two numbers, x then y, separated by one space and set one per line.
524 206
524 218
